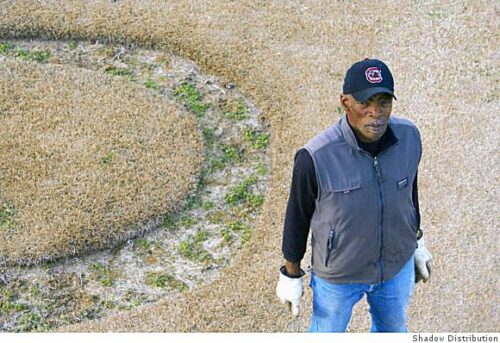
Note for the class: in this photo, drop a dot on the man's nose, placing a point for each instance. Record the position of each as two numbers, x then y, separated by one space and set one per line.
374 110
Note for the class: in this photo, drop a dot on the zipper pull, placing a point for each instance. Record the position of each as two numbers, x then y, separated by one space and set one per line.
377 169
330 239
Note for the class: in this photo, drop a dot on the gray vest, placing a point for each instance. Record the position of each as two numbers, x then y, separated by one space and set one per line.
364 224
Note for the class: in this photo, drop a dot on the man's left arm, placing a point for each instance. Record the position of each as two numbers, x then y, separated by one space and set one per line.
423 257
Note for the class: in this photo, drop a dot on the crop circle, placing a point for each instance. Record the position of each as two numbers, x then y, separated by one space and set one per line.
84 158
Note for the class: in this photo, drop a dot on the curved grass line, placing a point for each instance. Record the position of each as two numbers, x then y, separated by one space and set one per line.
227 196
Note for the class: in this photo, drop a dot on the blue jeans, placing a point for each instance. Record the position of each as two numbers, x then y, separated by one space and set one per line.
388 300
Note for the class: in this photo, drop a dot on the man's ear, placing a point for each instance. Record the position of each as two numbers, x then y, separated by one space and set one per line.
344 100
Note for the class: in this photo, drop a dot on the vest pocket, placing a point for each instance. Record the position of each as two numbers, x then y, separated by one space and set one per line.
344 188
329 245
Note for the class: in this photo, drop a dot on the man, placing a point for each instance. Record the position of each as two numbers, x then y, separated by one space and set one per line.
355 186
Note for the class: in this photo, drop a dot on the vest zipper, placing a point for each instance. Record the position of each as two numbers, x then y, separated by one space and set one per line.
380 179
329 247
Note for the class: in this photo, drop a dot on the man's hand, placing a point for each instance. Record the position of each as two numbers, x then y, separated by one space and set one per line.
290 290
423 260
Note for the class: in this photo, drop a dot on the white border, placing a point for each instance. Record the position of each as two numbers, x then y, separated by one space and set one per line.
247 337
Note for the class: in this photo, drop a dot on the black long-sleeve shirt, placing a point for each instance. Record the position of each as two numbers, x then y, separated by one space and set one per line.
303 194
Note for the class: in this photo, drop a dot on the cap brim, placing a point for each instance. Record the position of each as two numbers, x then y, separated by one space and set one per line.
366 94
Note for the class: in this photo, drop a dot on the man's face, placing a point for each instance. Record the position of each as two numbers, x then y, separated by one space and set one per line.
368 120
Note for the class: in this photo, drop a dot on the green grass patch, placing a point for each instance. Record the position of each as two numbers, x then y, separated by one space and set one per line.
238 226
245 237
242 193
47 265
11 307
73 45
201 236
142 244
134 299
192 248
148 251
255 200
134 303
33 321
7 216
163 280
187 221
132 61
21 53
38 56
208 134
436 15
258 140
216 163
198 108
8 302
151 84
236 109
208 205
169 222
194 200
114 71
232 154
226 235
7 307
108 159
224 155
102 273
34 291
5 48
238 193
261 169
191 97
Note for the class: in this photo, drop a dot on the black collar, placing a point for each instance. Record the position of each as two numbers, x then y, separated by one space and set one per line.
374 148
387 140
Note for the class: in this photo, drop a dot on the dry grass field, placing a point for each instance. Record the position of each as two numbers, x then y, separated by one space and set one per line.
289 57
84 160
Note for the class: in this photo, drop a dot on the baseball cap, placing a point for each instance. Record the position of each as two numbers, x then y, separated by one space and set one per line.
367 78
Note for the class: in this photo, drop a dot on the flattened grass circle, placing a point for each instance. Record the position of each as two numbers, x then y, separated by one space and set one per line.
85 160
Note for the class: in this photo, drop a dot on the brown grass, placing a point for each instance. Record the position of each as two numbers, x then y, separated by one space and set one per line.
290 58
85 159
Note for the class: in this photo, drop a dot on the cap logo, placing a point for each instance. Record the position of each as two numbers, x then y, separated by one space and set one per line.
373 75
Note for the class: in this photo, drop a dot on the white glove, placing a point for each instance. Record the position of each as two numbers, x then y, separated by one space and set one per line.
290 290
423 260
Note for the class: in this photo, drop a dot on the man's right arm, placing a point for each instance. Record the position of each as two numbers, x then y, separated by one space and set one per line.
300 208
